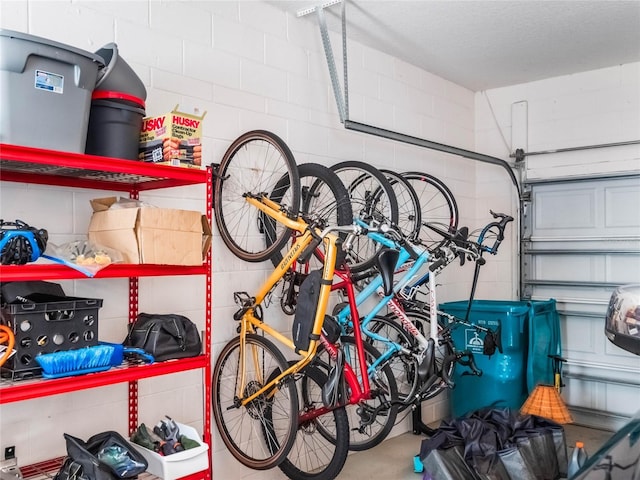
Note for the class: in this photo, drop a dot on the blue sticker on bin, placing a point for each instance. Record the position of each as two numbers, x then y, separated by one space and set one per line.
51 82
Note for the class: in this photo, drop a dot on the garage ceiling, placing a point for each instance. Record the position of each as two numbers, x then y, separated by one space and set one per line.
488 44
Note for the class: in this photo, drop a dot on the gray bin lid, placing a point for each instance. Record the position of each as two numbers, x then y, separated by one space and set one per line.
45 41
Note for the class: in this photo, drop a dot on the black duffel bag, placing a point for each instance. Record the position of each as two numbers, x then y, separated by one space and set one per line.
164 336
105 456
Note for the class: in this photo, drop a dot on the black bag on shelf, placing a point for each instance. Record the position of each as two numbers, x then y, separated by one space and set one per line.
105 456
164 336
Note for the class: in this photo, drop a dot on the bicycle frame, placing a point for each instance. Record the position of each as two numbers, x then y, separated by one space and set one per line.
375 287
250 322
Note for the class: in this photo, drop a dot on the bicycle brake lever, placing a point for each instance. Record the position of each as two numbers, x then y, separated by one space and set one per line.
446 362
471 363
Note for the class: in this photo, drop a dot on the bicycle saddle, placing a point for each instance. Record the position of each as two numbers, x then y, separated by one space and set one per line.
386 260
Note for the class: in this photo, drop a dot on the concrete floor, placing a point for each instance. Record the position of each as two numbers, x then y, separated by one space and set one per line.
393 459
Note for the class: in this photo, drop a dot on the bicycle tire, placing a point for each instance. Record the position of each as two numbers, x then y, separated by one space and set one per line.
383 388
372 199
270 447
323 197
437 205
409 209
313 456
253 164
404 367
422 320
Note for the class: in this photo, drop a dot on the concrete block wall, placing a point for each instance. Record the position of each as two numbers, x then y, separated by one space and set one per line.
250 66
589 108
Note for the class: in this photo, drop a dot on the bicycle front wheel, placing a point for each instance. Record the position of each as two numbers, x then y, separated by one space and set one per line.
437 204
260 434
258 163
315 456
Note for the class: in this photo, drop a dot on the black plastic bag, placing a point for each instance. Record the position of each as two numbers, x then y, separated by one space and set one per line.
447 464
500 444
515 464
90 460
164 336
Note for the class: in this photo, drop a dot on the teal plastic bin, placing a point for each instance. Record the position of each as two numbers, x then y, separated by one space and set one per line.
529 334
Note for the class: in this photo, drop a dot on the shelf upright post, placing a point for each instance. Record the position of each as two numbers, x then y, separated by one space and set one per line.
134 194
206 434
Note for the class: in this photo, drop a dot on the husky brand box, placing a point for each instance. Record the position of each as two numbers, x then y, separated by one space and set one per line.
146 234
172 139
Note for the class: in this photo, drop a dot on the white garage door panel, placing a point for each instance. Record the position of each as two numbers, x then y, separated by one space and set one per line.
551 207
624 269
588 209
607 268
583 337
616 216
580 240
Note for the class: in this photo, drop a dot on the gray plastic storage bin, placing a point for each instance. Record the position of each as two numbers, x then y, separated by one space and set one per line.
45 92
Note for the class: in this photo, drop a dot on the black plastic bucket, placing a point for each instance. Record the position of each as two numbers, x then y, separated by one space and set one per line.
114 128
118 76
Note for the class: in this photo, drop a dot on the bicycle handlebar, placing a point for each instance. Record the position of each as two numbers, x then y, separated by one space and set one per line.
501 225
462 244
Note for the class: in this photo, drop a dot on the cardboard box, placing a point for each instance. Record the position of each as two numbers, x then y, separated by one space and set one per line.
179 464
162 236
172 139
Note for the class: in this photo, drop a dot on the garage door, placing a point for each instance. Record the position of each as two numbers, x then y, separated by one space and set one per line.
580 240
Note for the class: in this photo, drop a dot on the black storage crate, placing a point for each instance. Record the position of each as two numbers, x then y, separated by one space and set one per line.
48 324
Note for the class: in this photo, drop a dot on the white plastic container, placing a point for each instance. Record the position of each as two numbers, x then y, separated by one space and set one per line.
178 464
578 458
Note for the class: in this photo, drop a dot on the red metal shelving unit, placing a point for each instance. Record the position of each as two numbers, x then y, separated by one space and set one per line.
49 167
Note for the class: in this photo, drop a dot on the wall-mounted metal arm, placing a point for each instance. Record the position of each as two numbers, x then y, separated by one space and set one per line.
421 142
343 106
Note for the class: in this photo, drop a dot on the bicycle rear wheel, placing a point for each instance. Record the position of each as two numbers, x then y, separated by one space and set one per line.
437 204
422 321
315 456
372 200
409 209
370 420
324 200
254 165
260 434
404 367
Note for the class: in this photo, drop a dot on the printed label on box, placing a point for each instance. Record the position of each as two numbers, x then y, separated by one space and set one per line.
51 82
172 139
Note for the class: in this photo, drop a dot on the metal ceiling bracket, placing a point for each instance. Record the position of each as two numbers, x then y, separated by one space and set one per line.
307 11
331 63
